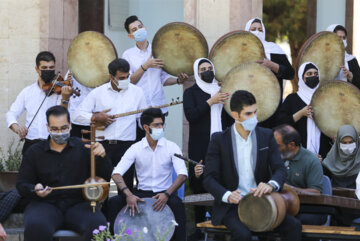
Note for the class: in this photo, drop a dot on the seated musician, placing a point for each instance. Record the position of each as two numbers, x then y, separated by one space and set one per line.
203 108
154 161
244 158
297 112
116 97
350 71
60 160
304 170
31 98
342 163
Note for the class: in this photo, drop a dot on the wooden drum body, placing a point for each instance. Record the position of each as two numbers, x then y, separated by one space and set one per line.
258 80
179 45
155 221
266 213
233 49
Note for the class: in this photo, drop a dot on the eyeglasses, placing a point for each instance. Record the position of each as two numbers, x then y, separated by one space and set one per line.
62 129
157 125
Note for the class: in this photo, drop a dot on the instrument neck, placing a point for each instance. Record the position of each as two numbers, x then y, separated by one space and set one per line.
92 143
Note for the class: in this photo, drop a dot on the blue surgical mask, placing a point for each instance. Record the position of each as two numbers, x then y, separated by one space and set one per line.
140 35
157 133
249 124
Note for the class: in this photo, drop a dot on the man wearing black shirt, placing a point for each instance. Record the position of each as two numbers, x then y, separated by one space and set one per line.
60 160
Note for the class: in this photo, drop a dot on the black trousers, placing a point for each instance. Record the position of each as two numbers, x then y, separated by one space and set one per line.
289 229
76 131
116 151
197 188
116 203
42 219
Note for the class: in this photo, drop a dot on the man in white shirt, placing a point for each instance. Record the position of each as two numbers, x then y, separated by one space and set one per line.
154 161
30 100
117 96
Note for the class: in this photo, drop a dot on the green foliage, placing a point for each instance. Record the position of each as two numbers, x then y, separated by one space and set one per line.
286 20
11 159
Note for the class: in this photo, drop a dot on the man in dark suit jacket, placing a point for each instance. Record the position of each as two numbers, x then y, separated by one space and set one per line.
261 171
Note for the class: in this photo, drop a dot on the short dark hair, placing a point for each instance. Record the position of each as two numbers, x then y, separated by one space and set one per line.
339 27
148 116
129 21
288 134
118 65
57 110
44 56
241 98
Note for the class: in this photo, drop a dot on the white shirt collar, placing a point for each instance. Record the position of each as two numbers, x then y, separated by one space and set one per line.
161 142
143 51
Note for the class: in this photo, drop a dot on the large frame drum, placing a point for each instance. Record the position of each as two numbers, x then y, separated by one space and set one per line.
233 49
179 45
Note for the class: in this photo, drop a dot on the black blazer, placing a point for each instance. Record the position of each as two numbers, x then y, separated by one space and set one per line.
221 175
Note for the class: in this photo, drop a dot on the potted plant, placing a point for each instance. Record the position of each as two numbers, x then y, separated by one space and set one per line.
10 161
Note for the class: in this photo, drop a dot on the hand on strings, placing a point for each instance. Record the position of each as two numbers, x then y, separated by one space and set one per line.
2 233
99 150
218 98
182 77
43 191
104 118
161 201
20 130
199 169
235 197
131 204
153 63
66 92
347 73
262 188
307 111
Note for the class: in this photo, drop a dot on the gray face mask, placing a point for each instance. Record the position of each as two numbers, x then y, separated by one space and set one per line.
60 138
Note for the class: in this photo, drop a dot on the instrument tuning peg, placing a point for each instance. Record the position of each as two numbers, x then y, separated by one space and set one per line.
100 137
85 132
84 140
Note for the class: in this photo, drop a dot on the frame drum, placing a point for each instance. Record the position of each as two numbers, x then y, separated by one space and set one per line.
235 48
155 221
88 58
336 103
179 45
258 80
326 50
261 214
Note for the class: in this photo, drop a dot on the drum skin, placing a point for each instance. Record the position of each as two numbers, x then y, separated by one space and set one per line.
88 58
258 80
152 220
179 45
326 50
261 214
336 103
235 48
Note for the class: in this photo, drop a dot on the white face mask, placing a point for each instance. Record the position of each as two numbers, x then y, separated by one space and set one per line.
157 133
122 84
348 148
345 42
259 34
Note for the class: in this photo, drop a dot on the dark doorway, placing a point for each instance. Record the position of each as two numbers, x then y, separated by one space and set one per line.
91 15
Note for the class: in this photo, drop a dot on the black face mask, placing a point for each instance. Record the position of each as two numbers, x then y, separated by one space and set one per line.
47 75
207 76
312 81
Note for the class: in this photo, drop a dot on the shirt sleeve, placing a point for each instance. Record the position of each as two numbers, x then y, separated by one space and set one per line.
357 191
314 175
84 111
16 109
142 102
27 178
179 165
225 198
126 161
164 77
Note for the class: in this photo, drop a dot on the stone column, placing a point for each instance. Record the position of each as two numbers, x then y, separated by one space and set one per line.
215 18
28 27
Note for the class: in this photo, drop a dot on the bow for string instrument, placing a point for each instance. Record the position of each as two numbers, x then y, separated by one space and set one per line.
100 191
188 160
173 102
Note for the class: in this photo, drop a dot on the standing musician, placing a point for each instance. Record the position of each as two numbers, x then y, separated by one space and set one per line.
275 60
203 108
31 98
154 161
350 71
60 160
117 96
242 159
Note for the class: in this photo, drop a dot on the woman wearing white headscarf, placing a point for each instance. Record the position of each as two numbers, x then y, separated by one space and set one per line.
342 163
203 108
296 111
350 71
275 60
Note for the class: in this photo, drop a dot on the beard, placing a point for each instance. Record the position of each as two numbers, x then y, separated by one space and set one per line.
286 155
